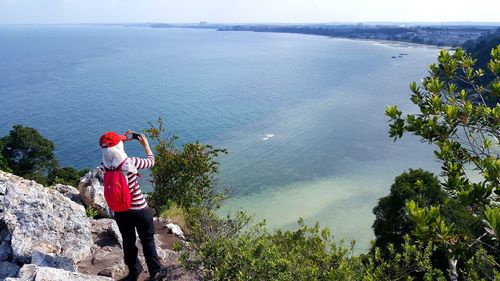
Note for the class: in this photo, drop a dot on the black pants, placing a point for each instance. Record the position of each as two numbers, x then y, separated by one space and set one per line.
141 220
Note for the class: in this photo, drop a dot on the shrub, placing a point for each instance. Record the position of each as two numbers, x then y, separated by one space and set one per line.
184 176
27 152
236 251
177 215
391 223
65 175
91 212
465 129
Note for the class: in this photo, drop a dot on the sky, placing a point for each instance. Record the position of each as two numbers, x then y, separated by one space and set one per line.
246 11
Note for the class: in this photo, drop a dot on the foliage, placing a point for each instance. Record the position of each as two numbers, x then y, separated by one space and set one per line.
4 166
177 215
27 152
184 176
412 262
91 212
391 221
38 177
236 252
480 49
65 175
466 130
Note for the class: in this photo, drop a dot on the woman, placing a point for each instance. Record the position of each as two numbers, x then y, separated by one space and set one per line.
139 216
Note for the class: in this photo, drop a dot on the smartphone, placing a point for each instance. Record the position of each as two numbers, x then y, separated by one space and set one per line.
136 136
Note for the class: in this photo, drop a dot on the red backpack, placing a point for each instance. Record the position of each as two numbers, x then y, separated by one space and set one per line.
116 189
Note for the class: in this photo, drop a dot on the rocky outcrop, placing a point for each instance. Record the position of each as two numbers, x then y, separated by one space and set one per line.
106 228
42 219
91 189
8 269
46 235
67 190
40 224
62 262
31 272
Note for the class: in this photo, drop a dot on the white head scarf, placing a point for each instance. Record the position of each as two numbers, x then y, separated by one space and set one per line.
113 156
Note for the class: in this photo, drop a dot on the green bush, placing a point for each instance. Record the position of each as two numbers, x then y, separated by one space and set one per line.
465 129
4 166
391 223
27 152
412 261
91 212
177 215
236 251
65 175
184 176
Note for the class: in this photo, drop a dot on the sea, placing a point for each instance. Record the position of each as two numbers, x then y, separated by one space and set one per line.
302 116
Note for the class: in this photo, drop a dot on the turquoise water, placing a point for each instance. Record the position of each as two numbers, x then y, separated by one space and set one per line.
302 116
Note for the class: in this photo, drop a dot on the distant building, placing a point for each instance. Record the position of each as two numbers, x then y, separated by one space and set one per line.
203 23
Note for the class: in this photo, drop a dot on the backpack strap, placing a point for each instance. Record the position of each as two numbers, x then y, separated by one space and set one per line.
117 168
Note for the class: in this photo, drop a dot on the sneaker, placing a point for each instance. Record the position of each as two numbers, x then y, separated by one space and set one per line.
158 276
132 276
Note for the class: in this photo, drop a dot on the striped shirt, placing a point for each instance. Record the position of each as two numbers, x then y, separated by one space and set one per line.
138 200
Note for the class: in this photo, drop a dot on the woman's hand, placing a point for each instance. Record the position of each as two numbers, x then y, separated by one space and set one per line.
127 133
143 140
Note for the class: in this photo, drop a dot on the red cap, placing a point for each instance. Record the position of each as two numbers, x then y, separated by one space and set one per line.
110 139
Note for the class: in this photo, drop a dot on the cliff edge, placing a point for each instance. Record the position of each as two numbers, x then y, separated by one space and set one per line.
45 234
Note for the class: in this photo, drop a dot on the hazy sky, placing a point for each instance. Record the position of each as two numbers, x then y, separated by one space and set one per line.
105 11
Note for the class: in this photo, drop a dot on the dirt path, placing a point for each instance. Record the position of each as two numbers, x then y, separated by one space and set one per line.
107 257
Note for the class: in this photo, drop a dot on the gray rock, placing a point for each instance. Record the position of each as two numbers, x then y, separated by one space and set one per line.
46 260
5 235
114 271
106 253
109 226
5 250
27 273
175 229
67 190
3 187
112 259
31 272
8 269
44 220
91 189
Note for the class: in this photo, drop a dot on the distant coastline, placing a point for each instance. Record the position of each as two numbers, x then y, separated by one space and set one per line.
450 35
441 36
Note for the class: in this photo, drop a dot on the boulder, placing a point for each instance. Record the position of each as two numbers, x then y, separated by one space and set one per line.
47 260
5 250
103 227
31 272
67 190
111 258
91 189
106 257
42 219
175 229
114 271
8 269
